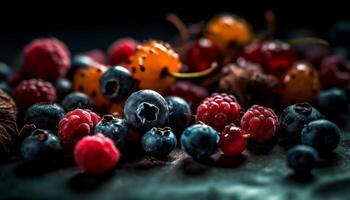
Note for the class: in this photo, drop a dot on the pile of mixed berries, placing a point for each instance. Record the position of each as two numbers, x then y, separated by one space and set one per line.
216 93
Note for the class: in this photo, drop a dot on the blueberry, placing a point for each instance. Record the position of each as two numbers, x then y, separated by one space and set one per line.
179 114
114 128
5 87
200 141
40 145
322 134
146 109
347 92
332 101
117 83
294 117
44 116
159 142
342 51
302 158
5 71
339 33
79 61
63 87
77 100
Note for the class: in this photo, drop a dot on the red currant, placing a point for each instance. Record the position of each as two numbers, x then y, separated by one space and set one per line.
201 55
233 140
278 56
252 52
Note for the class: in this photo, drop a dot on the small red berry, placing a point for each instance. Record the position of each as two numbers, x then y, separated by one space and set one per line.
75 125
120 51
275 56
219 110
335 72
96 55
201 55
252 52
233 140
48 59
32 91
193 94
278 56
260 123
96 154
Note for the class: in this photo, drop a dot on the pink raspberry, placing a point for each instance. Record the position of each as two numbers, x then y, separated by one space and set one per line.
96 154
96 55
75 125
260 123
48 59
32 91
120 51
219 110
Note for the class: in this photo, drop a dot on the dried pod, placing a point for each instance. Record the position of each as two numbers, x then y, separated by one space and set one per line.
249 84
8 126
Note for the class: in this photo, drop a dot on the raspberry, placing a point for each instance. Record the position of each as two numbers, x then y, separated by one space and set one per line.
32 91
120 51
46 58
233 140
96 154
261 123
96 55
193 94
75 125
219 110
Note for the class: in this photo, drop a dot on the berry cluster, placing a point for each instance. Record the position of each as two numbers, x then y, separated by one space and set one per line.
98 107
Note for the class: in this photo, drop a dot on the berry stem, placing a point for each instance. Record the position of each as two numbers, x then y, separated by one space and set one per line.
178 75
308 40
180 26
246 136
270 20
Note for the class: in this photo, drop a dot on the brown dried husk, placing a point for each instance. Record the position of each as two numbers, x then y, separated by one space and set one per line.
8 125
249 84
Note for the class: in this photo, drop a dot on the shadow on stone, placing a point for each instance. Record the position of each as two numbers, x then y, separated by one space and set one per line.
230 161
33 169
261 148
192 167
84 182
328 160
301 178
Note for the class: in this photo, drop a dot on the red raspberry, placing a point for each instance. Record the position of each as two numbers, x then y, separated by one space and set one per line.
32 91
96 55
219 110
120 51
260 123
193 94
96 154
75 125
233 140
48 59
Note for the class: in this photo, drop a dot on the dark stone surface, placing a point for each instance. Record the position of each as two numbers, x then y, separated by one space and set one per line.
250 176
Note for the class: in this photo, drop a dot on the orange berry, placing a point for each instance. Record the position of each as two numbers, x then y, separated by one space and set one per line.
87 80
300 84
225 30
117 109
151 61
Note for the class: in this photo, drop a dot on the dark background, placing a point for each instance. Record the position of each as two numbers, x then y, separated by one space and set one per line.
95 24
87 25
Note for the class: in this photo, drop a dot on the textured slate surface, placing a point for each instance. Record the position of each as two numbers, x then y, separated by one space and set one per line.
251 176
